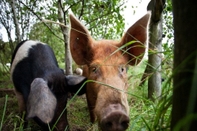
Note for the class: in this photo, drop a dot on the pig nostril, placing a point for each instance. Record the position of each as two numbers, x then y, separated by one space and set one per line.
108 125
125 124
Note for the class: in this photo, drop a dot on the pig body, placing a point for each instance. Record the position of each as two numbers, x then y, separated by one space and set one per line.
40 85
105 62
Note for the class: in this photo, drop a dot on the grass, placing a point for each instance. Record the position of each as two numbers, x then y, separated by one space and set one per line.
145 115
78 115
5 81
3 115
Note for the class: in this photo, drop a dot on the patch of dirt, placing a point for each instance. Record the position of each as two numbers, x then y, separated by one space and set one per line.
6 91
12 119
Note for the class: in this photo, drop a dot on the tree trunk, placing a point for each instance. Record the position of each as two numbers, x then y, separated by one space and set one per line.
16 23
185 66
62 19
6 15
155 46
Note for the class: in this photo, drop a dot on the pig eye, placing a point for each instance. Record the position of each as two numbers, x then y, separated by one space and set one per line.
122 69
93 69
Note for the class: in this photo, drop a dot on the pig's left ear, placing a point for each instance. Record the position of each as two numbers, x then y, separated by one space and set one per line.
76 83
135 39
41 101
80 42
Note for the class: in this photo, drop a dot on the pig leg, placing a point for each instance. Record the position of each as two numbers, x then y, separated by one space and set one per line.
21 102
22 106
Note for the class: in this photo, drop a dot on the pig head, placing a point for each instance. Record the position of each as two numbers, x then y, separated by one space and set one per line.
105 63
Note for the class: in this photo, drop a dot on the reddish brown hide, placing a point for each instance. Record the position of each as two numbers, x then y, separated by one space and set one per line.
105 62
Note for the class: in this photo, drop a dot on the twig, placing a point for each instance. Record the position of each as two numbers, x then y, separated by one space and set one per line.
58 23
41 20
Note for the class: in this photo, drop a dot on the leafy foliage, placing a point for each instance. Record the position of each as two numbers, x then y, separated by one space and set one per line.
103 18
168 29
168 41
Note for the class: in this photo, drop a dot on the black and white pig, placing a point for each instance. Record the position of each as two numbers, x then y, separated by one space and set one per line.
41 86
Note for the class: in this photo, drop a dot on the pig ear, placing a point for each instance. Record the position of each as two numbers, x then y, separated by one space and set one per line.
135 39
80 42
41 102
76 83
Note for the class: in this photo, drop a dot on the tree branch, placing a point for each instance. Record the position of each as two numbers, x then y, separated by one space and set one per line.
106 14
82 9
41 20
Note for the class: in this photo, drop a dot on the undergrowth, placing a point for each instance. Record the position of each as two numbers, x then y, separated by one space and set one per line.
146 115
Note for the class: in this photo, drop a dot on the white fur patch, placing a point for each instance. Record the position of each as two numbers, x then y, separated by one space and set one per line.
22 52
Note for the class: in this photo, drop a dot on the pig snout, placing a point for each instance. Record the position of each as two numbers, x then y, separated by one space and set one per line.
115 119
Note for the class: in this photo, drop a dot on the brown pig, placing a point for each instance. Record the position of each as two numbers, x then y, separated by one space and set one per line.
105 62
